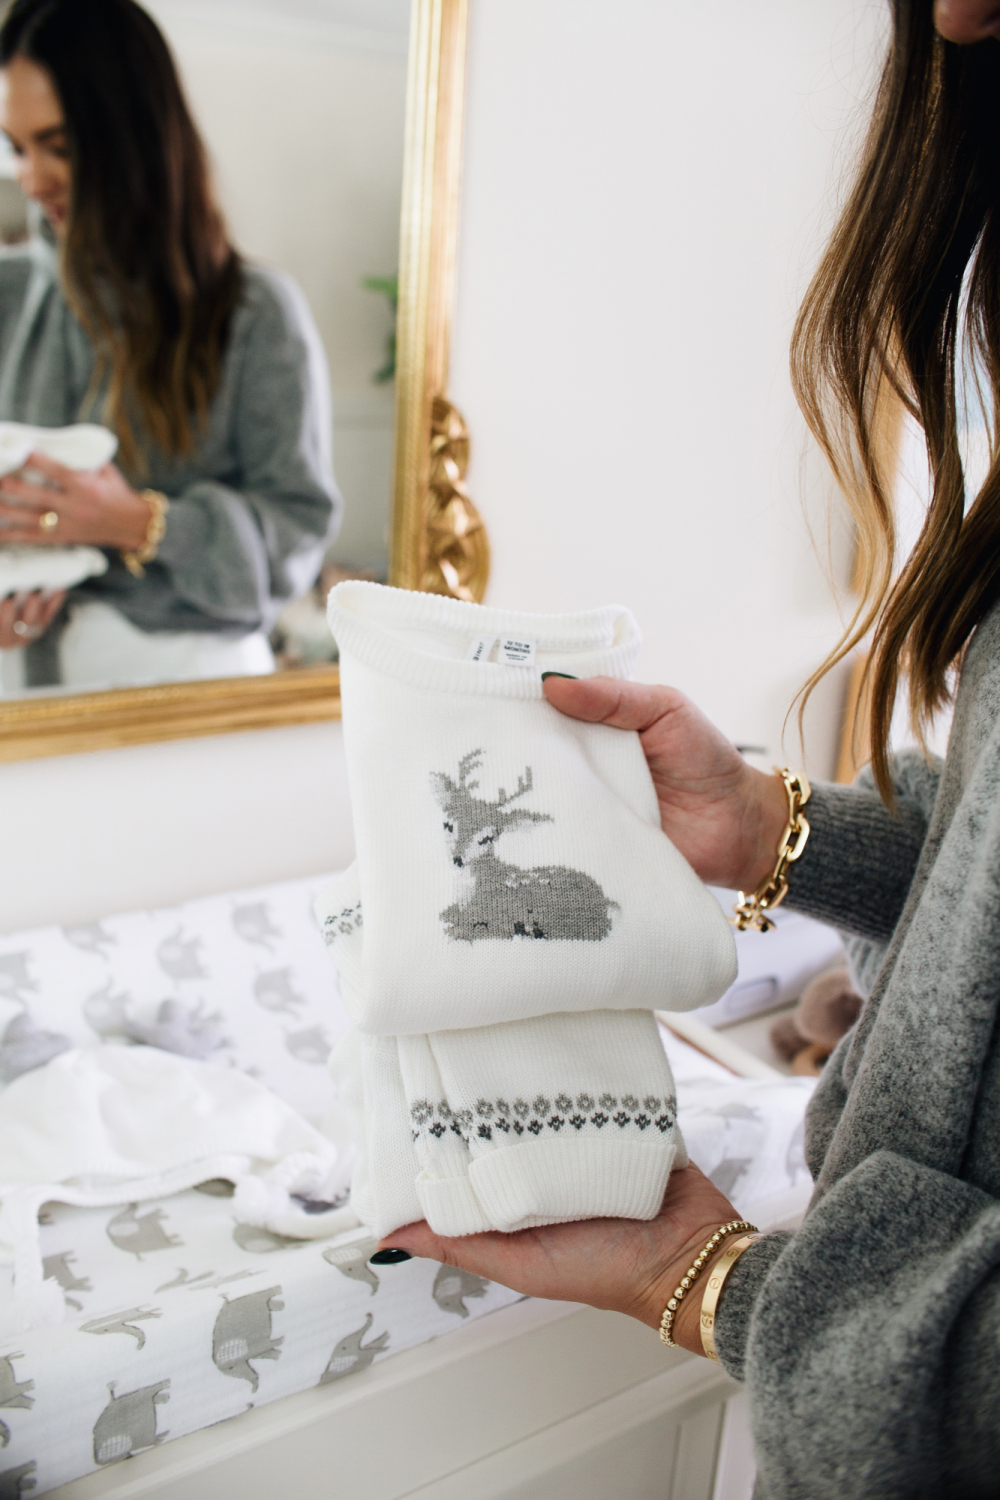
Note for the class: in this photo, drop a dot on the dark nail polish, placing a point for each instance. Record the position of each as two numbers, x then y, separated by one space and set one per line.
568 675
388 1257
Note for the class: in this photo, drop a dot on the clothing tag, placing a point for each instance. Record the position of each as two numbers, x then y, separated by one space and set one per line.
517 653
481 648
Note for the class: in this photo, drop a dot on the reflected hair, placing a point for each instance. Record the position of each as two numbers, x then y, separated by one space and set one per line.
908 290
147 264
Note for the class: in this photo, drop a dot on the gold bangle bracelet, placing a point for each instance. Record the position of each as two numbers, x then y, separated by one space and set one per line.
694 1270
751 911
136 559
713 1290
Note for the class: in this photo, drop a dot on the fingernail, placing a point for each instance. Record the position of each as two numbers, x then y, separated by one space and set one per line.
568 675
388 1257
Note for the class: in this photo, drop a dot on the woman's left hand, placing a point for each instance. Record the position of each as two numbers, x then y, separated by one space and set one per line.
99 508
628 1265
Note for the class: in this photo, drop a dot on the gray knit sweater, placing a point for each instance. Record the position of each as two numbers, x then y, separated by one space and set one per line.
870 1340
251 509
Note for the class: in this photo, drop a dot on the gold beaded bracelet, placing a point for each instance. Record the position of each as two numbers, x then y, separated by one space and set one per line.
713 1291
750 910
694 1271
155 531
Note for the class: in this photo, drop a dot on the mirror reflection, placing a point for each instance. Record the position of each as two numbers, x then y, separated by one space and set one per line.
199 204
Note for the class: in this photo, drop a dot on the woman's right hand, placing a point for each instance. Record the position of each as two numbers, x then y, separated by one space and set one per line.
725 817
24 617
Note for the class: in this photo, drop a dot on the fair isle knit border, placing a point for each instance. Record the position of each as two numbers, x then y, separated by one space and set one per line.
503 1121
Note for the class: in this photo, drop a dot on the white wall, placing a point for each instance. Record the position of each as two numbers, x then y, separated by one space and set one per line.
646 186
116 830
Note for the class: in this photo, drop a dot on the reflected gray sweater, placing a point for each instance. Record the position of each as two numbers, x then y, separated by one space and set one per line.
252 509
870 1340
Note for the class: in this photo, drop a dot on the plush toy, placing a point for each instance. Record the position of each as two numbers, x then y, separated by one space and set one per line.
826 1011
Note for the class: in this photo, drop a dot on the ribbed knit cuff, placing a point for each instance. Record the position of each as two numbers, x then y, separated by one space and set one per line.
739 1297
382 628
857 867
546 1182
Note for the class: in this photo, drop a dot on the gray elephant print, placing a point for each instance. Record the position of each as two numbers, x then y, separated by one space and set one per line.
311 1046
274 991
90 937
127 1424
352 1261
58 1267
106 1012
253 924
140 1234
14 976
179 1029
178 957
351 1354
13 1393
15 1483
500 900
242 1332
25 1046
123 1322
259 1241
452 1286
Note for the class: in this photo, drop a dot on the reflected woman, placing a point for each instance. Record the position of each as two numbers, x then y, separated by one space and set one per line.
134 309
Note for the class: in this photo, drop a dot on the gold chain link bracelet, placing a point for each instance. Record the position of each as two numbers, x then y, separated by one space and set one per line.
158 506
694 1270
751 910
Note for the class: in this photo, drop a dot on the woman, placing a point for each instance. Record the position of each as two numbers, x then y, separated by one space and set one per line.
143 316
870 1339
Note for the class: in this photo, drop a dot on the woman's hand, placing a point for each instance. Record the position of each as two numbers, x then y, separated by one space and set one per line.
24 617
628 1265
101 508
724 817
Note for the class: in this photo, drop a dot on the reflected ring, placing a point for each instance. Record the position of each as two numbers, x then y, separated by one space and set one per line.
48 521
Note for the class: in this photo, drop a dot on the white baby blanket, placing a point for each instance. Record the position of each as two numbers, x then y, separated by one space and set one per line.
84 446
114 1124
510 859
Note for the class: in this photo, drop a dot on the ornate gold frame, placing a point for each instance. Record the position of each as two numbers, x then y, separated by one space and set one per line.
438 541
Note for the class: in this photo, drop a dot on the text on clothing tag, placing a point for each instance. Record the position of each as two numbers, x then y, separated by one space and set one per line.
517 653
481 648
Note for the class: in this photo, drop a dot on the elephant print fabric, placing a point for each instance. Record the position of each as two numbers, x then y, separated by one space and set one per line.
502 900
127 1424
242 1332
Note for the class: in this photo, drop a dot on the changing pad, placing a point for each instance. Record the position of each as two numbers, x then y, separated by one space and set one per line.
178 1315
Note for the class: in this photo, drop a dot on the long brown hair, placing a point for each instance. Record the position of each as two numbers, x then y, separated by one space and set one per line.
910 278
146 260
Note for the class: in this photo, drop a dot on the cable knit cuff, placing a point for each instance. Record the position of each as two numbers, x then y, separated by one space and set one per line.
739 1297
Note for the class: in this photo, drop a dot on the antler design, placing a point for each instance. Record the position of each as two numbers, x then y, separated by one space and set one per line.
523 787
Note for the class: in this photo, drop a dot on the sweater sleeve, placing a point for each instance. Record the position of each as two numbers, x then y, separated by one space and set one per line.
235 552
868 1339
861 856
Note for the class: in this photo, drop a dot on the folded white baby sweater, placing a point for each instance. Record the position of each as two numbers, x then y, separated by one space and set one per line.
510 859
84 446
501 1127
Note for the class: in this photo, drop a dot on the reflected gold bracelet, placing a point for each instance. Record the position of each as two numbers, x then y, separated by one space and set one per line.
158 506
751 911
694 1270
713 1290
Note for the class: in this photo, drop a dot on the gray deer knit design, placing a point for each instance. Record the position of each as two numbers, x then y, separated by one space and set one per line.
502 900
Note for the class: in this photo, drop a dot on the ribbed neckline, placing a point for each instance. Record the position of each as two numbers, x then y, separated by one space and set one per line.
366 619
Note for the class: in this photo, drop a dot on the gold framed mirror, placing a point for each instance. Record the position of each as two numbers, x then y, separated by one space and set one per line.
437 541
